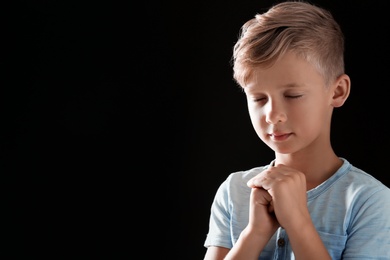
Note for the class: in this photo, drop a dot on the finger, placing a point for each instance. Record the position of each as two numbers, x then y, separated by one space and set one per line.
256 182
261 196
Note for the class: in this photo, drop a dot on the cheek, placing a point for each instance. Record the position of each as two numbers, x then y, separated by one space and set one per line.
309 119
254 114
257 119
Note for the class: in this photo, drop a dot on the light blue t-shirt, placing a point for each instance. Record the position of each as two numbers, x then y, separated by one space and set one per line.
350 210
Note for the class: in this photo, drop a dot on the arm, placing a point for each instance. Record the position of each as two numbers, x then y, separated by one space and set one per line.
305 241
248 246
262 225
216 253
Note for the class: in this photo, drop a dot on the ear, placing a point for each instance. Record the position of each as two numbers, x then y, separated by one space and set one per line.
341 89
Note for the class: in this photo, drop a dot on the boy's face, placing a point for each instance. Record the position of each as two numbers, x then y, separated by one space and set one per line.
289 105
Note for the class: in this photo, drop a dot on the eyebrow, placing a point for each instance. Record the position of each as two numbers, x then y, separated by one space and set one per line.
284 86
291 85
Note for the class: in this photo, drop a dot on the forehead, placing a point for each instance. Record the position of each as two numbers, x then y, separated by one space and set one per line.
289 71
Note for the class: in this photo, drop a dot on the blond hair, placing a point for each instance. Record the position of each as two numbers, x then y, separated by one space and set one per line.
305 29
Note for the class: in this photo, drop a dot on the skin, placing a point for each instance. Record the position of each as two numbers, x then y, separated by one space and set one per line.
290 108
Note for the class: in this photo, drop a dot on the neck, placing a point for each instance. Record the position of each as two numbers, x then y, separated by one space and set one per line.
317 168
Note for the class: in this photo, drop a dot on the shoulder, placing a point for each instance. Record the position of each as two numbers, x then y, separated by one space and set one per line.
351 184
240 178
363 185
360 179
235 187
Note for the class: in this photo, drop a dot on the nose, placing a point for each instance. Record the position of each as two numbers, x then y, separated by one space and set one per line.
275 113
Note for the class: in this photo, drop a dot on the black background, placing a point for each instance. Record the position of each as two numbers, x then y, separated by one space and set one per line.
120 120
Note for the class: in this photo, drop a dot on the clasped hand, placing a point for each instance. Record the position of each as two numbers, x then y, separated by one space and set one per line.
278 198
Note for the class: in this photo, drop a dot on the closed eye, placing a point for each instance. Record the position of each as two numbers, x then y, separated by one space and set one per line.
293 96
258 99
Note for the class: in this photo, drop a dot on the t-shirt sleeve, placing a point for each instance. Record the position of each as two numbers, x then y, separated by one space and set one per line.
369 231
219 222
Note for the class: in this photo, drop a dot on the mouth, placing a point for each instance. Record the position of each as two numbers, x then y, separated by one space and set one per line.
279 137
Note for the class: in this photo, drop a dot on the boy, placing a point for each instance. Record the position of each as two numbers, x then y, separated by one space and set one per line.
308 203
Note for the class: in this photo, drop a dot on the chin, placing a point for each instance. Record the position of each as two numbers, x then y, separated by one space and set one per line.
282 149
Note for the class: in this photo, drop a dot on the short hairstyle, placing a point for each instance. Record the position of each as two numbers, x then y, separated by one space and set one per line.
309 31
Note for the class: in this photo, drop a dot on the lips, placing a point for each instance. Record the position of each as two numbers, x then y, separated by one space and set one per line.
279 136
